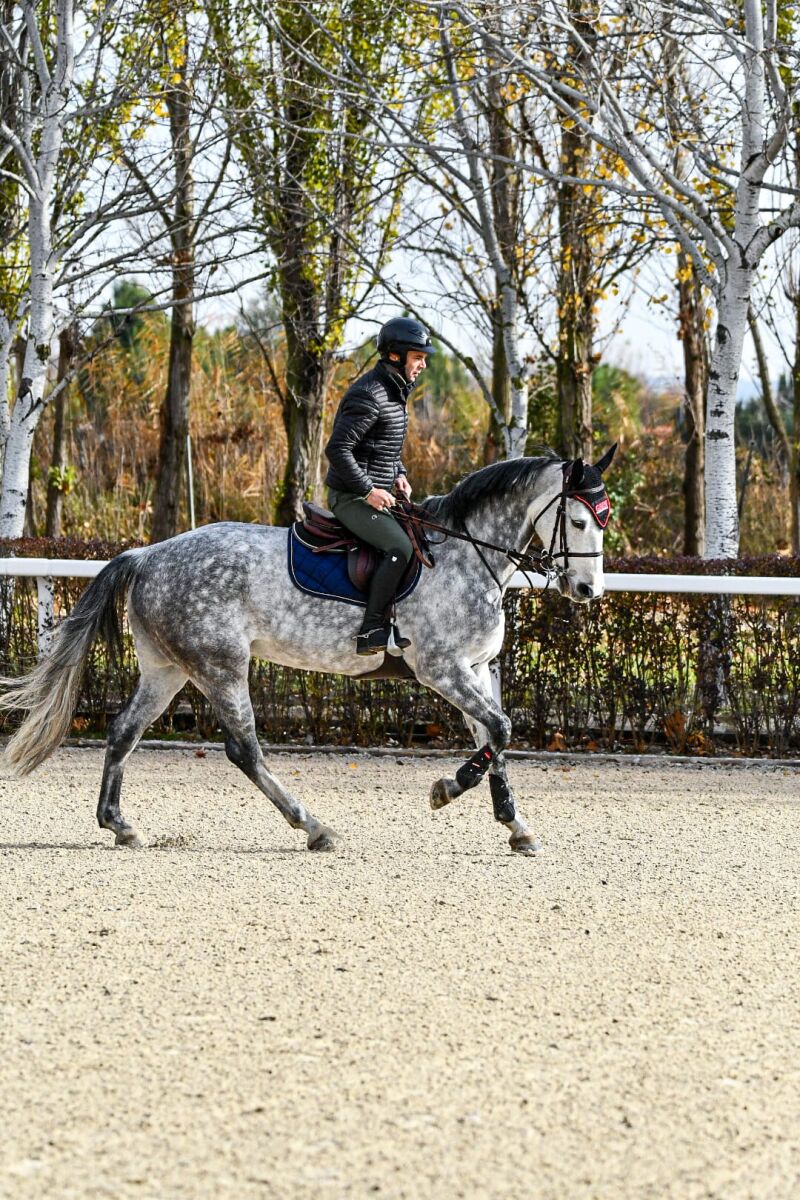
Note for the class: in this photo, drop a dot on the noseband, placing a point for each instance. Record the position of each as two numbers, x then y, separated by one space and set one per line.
543 562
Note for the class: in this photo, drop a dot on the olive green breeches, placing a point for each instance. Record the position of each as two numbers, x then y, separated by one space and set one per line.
379 529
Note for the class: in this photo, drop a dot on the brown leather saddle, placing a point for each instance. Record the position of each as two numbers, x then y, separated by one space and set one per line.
320 530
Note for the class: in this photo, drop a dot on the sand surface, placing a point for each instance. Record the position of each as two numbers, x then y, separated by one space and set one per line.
422 1014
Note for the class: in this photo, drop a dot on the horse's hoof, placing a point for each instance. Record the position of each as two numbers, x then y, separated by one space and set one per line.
443 791
525 843
324 840
129 837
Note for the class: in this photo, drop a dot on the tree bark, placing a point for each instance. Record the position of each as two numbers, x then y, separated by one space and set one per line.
494 447
510 393
67 346
692 334
44 152
576 361
307 379
794 456
770 405
174 413
795 459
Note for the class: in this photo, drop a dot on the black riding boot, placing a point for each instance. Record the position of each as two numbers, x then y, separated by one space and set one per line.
375 628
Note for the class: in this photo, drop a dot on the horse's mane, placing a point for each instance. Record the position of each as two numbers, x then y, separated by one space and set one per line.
498 479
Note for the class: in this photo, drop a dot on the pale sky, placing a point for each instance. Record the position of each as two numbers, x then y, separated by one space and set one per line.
645 345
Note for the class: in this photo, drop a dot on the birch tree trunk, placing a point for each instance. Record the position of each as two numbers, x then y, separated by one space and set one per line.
29 402
7 336
721 509
40 161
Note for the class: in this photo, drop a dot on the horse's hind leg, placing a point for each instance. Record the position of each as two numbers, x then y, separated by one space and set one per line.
230 698
155 689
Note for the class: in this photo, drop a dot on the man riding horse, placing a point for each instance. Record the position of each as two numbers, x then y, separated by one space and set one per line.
366 469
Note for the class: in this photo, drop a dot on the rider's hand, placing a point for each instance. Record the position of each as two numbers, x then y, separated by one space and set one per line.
402 486
380 499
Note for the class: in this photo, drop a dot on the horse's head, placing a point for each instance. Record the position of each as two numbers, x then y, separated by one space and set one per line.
571 526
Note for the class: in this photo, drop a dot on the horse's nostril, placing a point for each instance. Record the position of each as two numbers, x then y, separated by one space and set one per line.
585 589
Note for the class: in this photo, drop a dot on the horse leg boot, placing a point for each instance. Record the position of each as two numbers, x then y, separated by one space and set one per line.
231 702
151 696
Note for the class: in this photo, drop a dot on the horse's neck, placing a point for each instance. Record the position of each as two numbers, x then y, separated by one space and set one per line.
505 521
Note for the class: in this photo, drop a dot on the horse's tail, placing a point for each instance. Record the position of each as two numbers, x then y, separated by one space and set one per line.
50 691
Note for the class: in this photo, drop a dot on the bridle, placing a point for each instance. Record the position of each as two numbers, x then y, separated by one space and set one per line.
543 562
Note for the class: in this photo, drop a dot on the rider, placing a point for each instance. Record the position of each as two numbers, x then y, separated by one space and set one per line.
364 453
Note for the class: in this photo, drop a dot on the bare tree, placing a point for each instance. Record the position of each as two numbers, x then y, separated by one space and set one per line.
324 194
187 92
513 252
85 150
51 139
719 213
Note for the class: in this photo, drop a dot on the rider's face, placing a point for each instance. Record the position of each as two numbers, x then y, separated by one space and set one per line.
416 361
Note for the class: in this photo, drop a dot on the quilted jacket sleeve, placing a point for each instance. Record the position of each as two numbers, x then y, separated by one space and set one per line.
356 415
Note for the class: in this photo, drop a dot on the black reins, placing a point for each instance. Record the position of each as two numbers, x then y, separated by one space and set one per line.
543 562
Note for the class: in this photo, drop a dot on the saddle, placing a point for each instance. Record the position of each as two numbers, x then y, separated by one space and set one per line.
321 532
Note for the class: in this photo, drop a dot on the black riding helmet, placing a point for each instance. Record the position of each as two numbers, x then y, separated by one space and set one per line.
402 334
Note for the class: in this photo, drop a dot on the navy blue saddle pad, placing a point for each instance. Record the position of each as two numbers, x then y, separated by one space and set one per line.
324 574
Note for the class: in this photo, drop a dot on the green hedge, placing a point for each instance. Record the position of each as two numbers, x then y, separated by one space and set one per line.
692 674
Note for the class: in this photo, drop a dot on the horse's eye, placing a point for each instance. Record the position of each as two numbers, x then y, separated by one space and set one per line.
578 524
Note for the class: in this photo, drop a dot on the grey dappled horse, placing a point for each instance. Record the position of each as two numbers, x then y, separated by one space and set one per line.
202 604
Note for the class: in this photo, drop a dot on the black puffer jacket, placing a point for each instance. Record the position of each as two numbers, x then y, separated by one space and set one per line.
368 432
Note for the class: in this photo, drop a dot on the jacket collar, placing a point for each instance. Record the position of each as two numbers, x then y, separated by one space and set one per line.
389 375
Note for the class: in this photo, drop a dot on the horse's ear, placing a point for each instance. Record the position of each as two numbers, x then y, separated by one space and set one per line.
574 475
605 462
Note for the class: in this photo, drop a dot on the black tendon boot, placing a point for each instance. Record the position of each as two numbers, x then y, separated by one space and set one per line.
377 633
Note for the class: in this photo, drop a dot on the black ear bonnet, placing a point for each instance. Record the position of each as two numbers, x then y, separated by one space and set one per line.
585 484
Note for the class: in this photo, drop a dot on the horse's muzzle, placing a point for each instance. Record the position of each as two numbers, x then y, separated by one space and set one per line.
579 590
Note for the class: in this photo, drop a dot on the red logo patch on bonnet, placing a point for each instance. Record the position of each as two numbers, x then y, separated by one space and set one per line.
599 508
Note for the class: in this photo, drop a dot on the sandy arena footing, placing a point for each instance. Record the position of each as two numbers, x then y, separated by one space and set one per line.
421 1014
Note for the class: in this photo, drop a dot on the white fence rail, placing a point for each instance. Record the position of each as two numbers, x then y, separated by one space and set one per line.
45 570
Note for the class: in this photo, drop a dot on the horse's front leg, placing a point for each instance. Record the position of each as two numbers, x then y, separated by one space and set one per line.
504 802
470 690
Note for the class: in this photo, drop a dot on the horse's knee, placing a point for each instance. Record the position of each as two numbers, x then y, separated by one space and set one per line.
121 735
500 731
242 753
